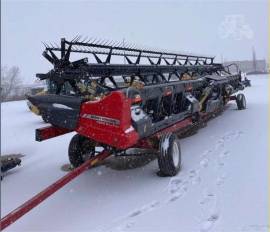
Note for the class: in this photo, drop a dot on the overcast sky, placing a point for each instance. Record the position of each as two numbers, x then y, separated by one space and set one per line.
221 28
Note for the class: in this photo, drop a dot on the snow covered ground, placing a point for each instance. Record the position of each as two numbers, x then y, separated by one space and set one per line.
222 186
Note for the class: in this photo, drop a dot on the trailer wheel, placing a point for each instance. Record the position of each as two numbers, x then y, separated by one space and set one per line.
80 149
241 101
169 156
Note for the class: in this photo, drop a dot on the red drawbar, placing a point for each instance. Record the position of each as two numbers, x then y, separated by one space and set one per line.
43 195
49 132
108 121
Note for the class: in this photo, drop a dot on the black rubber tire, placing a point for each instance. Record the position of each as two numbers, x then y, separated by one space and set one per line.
78 147
241 101
167 165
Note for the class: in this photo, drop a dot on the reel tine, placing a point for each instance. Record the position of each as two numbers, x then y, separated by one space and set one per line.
44 44
98 42
90 49
88 40
109 43
120 44
104 42
82 41
56 45
116 44
47 45
87 49
73 39
52 46
80 48
76 47
101 42
94 41
125 45
77 40
112 43
85 39
131 46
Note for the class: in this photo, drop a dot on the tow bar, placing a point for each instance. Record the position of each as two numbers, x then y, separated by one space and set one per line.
43 195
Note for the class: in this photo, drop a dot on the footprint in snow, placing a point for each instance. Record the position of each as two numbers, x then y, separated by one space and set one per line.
204 163
122 227
127 222
128 225
209 207
232 135
177 187
208 197
176 197
219 144
194 177
237 134
224 154
144 209
209 223
221 179
192 173
221 163
196 180
206 153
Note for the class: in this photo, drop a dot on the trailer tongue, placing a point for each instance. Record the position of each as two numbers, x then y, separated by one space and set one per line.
43 195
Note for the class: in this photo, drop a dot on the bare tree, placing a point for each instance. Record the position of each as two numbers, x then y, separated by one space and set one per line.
10 81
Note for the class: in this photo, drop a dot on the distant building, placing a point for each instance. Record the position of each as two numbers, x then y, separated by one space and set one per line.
249 66
253 66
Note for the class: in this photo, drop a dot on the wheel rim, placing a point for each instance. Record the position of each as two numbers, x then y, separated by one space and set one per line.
244 102
175 154
88 150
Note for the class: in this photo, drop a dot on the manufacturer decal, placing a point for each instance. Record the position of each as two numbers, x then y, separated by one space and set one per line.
102 120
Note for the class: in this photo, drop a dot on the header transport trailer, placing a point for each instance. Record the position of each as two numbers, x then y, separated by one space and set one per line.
130 97
123 97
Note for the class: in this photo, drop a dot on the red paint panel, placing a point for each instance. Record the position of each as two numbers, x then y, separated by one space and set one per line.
107 121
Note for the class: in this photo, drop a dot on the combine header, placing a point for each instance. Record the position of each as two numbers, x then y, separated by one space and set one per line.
122 97
126 96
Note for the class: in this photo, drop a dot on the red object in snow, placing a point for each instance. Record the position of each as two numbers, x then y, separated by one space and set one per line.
40 197
49 132
108 121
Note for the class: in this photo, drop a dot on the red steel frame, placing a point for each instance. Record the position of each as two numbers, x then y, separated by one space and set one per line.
49 132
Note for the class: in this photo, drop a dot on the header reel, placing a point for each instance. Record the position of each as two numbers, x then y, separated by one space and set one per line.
150 66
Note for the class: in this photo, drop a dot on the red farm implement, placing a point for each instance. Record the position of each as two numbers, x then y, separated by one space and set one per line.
145 102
